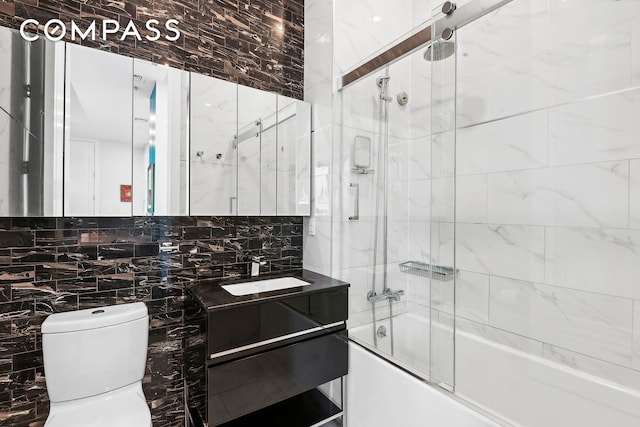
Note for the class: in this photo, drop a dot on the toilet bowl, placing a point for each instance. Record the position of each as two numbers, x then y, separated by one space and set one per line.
125 407
94 361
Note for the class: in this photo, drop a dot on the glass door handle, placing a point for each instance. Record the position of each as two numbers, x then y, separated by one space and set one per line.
356 207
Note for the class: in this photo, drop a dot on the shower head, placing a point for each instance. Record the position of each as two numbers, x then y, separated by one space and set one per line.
440 50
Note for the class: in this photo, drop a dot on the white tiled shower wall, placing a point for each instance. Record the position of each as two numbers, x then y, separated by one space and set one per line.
338 37
547 193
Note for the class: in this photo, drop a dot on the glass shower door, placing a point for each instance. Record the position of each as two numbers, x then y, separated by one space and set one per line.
535 196
382 226
441 58
362 255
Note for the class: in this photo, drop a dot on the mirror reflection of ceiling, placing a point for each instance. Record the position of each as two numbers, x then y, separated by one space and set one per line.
100 85
101 89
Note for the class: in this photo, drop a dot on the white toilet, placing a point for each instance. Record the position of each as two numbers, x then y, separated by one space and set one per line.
94 361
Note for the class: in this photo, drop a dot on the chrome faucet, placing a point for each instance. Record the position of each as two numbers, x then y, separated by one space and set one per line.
256 262
386 294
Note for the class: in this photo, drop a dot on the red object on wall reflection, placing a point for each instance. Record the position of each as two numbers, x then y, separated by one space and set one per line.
126 194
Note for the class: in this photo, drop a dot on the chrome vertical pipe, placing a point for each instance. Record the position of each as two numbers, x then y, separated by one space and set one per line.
26 128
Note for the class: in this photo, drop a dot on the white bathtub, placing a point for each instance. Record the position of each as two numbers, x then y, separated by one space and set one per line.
410 340
521 388
382 395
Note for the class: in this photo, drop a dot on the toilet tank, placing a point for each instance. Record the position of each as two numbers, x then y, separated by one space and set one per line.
93 351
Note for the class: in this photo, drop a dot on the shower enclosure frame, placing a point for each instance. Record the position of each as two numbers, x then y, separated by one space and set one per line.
442 28
457 17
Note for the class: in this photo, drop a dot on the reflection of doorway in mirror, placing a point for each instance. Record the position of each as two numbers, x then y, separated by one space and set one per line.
98 97
151 169
159 106
151 188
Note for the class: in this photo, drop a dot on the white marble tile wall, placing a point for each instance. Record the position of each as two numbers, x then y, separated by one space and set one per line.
420 95
418 240
363 28
547 204
515 251
506 67
592 324
595 130
635 51
601 260
318 43
634 193
358 106
318 89
636 335
520 140
443 154
321 172
594 194
471 296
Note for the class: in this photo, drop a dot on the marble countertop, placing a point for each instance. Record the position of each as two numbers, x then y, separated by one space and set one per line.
213 297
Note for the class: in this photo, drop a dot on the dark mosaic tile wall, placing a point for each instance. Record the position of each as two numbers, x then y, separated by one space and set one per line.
256 43
50 265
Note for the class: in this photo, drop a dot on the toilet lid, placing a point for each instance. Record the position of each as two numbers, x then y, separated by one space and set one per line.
114 409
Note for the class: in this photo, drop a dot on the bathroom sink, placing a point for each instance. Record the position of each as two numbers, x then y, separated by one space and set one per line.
248 288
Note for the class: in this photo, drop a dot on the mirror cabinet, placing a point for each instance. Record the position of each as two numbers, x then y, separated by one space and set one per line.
160 140
31 134
256 139
85 132
293 157
98 146
213 157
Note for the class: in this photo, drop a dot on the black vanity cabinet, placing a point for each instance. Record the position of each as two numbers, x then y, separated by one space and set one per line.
267 354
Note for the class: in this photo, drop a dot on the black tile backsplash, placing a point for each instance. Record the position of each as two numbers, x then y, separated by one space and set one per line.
257 43
50 265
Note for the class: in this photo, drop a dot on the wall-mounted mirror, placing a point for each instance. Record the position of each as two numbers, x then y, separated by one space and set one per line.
126 142
98 137
127 137
293 183
250 151
214 154
257 134
160 139
31 86
268 163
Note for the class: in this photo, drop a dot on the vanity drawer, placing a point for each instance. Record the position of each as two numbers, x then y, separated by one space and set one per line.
245 385
249 326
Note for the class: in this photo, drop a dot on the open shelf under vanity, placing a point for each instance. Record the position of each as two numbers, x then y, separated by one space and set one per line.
311 408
